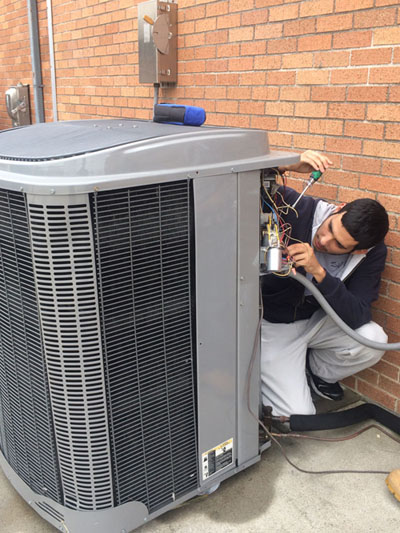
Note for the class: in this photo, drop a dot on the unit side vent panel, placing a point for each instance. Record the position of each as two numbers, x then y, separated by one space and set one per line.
26 431
144 279
64 263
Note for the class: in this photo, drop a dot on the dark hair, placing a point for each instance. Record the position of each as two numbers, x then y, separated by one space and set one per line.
366 220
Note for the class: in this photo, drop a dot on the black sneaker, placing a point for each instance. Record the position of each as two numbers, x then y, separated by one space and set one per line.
329 391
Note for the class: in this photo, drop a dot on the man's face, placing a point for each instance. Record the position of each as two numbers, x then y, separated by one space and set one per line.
332 237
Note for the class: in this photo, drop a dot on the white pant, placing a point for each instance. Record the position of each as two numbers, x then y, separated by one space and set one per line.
333 357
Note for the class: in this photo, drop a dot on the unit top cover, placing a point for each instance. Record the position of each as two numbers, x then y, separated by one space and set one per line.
77 156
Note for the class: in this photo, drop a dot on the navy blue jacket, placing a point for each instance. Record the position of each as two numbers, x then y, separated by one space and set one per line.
283 298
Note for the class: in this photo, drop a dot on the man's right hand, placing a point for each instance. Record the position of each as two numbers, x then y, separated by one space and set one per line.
309 161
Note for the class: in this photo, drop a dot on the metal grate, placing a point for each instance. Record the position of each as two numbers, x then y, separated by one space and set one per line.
63 257
144 277
26 431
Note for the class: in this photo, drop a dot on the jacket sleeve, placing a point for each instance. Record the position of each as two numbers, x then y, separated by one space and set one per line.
352 299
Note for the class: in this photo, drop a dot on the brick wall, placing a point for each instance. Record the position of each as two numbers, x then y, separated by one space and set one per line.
321 74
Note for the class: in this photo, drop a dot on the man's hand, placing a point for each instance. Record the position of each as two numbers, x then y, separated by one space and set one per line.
303 255
309 161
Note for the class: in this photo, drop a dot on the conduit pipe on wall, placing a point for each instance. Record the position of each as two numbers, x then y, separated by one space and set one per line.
36 62
52 61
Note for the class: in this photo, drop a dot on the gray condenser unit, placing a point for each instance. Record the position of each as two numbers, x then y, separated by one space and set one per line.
129 305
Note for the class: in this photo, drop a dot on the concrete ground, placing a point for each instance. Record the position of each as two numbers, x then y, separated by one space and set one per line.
272 496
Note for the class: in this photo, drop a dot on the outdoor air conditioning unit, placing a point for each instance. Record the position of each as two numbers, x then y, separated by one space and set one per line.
129 304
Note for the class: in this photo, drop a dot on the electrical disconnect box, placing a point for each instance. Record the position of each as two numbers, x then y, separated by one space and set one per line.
157 41
18 105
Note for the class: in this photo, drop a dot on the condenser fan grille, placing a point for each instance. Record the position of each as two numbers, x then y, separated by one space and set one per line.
143 248
26 431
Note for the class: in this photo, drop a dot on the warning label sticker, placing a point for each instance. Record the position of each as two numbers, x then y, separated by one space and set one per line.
217 458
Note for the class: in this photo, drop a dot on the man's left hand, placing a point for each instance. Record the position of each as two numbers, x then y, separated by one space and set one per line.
303 255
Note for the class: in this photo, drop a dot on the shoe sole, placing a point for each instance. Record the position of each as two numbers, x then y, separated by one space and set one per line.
392 490
317 391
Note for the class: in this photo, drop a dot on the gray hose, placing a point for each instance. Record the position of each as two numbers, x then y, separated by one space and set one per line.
338 321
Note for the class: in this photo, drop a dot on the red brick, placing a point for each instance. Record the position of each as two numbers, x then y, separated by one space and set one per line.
390 386
229 21
268 31
227 78
297 61
259 16
396 55
393 132
349 76
282 46
380 184
283 13
374 56
249 108
228 50
207 24
281 78
352 39
255 48
374 18
331 59
215 92
390 112
228 106
279 108
363 130
252 78
310 109
361 164
300 94
264 123
376 394
335 23
299 27
280 139
391 168
316 7
203 52
240 93
348 195
394 290
237 121
326 127
394 94
322 190
197 12
220 8
239 5
369 375
352 5
216 37
367 94
385 149
385 75
312 77
345 145
323 42
309 142
387 36
338 177
265 93
299 125
355 111
217 65
243 63
328 94
241 34
267 62
391 203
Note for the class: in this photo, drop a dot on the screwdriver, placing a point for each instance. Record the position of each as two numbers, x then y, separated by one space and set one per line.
314 176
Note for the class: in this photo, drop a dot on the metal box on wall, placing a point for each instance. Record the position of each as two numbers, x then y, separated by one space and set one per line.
157 30
18 105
